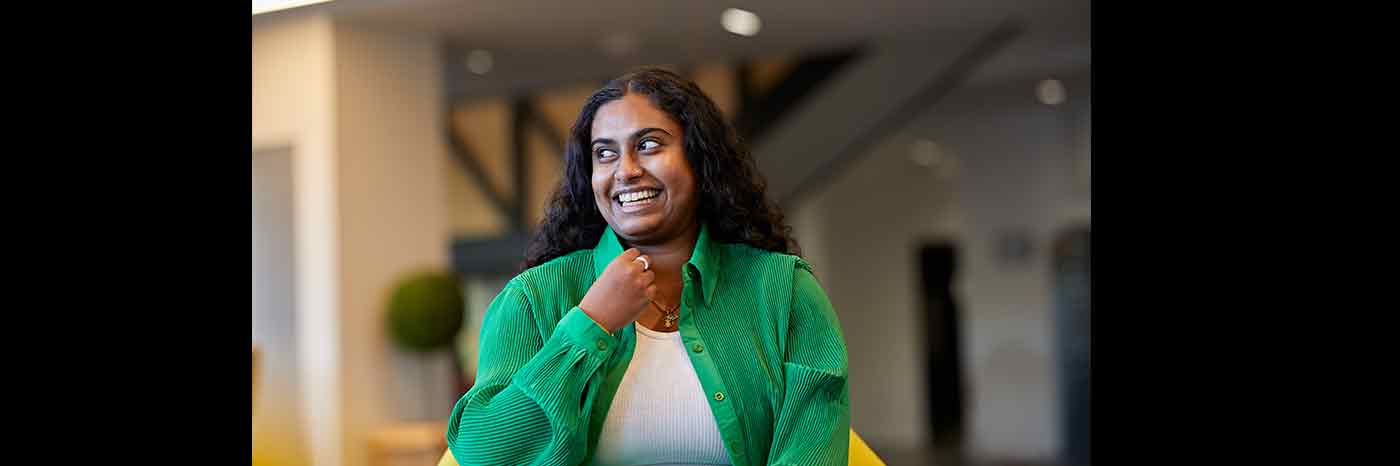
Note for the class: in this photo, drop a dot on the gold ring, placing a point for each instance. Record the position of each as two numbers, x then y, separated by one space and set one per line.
646 264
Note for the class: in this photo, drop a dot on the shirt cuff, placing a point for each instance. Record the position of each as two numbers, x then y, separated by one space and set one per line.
583 331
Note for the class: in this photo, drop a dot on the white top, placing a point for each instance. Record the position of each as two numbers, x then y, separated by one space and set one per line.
660 414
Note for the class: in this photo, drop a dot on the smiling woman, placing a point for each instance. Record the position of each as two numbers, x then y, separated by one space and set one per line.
643 185
664 316
671 116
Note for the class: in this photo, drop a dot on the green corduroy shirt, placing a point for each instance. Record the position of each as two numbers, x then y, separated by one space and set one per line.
759 329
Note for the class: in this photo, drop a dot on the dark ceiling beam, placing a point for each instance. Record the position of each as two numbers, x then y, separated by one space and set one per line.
758 113
944 83
469 162
519 158
500 255
553 135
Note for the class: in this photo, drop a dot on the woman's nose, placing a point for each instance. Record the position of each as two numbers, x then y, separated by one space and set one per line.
628 168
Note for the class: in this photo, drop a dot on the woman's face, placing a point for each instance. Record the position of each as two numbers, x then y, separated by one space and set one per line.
642 183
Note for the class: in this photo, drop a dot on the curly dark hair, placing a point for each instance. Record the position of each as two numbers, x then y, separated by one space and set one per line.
730 188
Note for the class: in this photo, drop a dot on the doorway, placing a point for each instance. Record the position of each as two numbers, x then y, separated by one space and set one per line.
944 375
277 428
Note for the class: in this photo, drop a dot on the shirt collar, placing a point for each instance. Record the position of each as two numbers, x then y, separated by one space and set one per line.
705 260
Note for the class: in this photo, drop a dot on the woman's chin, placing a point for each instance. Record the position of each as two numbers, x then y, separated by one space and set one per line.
638 227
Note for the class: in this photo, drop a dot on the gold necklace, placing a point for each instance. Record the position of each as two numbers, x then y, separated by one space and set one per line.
671 315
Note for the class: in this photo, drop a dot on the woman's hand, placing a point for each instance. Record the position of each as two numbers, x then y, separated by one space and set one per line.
622 293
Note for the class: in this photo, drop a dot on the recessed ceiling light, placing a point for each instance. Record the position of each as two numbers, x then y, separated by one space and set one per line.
479 61
741 22
1051 92
925 153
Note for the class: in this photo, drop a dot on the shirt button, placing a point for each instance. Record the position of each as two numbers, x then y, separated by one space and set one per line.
699 348
602 345
719 396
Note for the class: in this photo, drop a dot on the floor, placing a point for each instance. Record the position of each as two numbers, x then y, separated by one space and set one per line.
932 457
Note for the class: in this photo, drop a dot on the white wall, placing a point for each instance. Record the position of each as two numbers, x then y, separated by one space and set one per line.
1013 167
293 107
1018 173
393 221
360 111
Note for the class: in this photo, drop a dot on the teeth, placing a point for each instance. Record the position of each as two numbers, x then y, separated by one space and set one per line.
637 195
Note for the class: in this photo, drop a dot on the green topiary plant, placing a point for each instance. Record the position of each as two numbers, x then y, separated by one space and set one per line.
426 310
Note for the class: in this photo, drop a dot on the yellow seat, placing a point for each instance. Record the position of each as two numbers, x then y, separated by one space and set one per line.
860 454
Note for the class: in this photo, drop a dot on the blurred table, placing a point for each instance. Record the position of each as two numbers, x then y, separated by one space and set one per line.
408 444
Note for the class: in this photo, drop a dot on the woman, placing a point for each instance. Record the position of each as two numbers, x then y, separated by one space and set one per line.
663 317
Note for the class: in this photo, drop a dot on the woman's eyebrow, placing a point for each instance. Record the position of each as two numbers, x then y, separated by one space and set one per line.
635 135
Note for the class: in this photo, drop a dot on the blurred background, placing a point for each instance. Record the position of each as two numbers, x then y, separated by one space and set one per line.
932 157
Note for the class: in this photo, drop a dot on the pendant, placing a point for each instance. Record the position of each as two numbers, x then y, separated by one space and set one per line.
670 316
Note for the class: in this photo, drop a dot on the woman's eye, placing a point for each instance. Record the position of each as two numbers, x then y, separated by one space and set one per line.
606 153
649 144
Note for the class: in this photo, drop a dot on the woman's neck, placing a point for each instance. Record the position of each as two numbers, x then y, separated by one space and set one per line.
667 259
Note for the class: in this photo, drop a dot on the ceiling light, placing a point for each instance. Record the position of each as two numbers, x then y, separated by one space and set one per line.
268 6
1051 92
741 22
479 61
925 153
